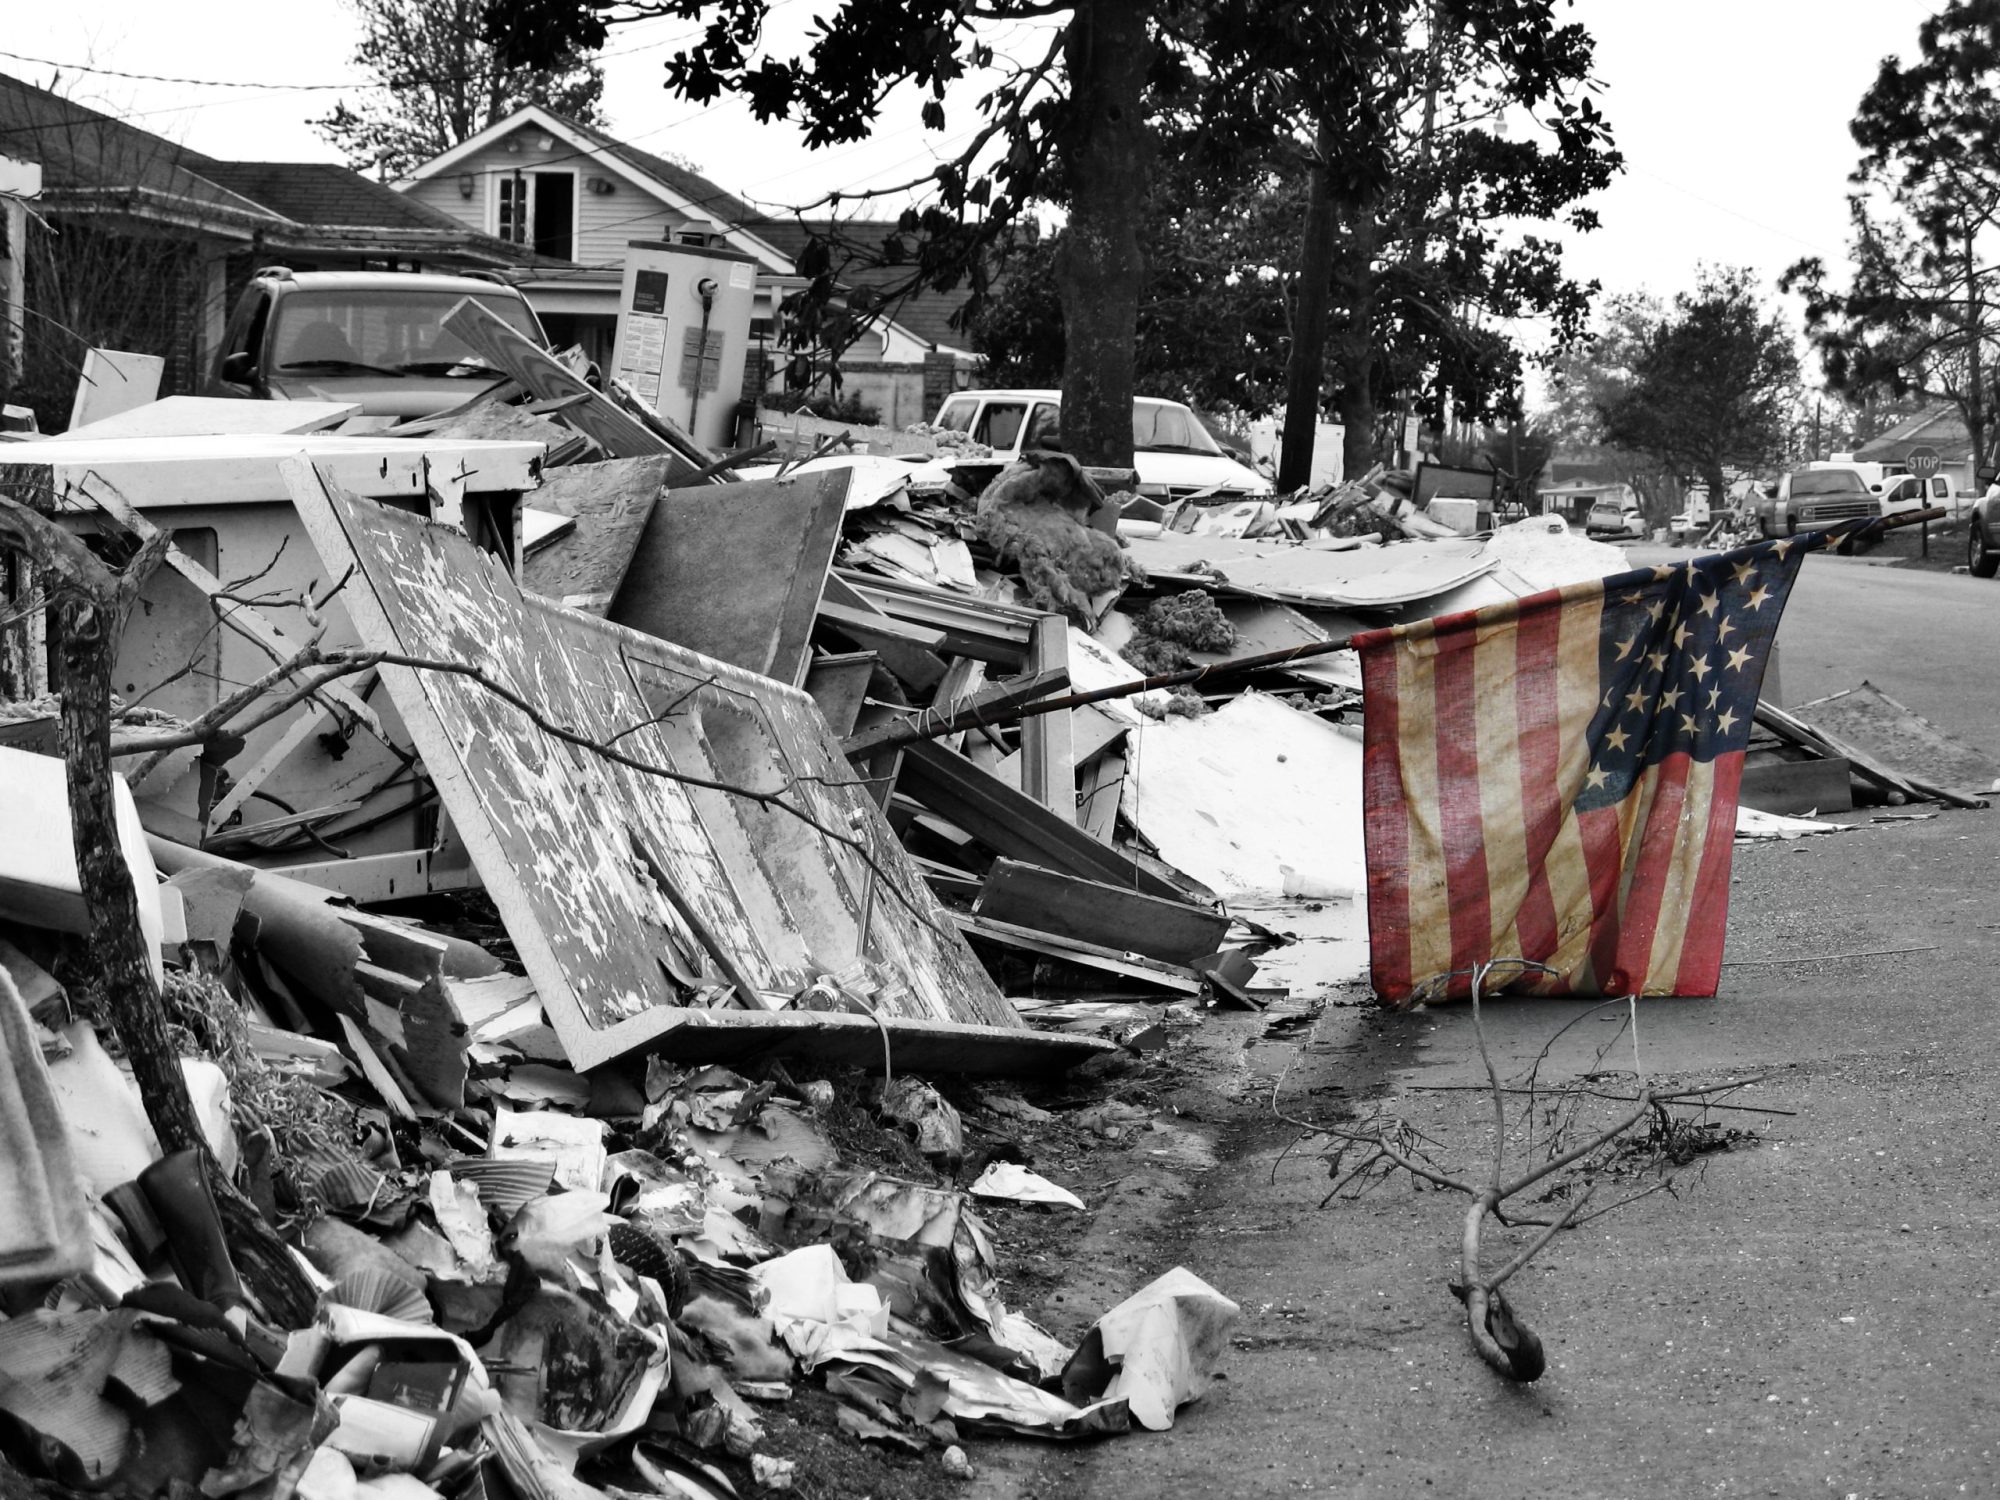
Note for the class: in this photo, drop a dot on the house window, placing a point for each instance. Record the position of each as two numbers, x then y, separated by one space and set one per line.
538 209
514 192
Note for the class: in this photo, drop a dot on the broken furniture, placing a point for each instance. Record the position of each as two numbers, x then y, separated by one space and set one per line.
698 881
242 591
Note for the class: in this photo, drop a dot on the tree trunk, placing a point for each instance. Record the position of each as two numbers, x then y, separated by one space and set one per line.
1975 413
1104 161
90 604
1718 487
86 641
1309 311
1351 339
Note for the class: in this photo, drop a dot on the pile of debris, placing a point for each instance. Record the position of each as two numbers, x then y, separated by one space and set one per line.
579 873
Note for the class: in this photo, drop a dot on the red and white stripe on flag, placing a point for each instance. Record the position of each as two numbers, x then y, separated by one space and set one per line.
1555 779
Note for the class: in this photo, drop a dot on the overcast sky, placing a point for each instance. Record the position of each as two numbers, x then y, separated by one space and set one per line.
1732 114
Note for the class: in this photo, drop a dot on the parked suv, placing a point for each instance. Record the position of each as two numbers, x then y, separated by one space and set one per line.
372 337
1172 451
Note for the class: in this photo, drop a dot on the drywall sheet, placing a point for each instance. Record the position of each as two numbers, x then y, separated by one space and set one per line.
634 899
1355 577
1255 800
214 416
734 571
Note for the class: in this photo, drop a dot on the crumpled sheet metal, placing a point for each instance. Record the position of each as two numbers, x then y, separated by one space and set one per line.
1155 1351
827 1320
978 1393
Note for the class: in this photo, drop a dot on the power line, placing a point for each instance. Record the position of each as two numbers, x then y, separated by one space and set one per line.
400 82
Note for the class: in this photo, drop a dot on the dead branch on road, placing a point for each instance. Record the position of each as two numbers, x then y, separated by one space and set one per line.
1555 1154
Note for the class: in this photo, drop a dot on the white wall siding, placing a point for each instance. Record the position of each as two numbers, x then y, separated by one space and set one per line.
604 221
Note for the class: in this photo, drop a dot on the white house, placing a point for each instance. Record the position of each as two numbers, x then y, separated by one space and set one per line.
576 197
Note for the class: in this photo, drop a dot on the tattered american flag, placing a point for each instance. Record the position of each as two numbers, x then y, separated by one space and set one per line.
1555 778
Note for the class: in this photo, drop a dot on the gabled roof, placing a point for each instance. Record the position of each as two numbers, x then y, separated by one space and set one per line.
1942 428
94 164
926 314
683 191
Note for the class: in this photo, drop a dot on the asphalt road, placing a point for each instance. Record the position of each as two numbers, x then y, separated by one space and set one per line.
1929 640
1815 1312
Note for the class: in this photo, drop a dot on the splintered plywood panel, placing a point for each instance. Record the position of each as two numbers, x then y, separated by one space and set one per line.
610 502
626 892
734 571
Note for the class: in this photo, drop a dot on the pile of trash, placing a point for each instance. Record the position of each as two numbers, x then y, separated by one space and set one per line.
569 1286
583 973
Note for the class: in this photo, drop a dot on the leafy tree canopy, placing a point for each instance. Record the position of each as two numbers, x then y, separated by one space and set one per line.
1918 317
440 81
1259 92
1712 384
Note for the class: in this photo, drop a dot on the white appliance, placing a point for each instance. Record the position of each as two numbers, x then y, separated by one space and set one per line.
684 332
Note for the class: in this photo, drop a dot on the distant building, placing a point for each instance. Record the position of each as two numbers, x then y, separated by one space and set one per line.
147 241
1940 431
572 197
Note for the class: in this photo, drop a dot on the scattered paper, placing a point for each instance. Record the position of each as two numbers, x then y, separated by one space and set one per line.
1156 1351
1010 1180
1752 824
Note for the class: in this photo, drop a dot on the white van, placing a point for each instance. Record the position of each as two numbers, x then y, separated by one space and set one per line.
1172 451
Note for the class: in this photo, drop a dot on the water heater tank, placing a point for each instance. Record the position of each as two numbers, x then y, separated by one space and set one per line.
684 332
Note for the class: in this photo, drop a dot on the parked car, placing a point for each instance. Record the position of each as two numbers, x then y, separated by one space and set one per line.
1174 454
1615 519
372 337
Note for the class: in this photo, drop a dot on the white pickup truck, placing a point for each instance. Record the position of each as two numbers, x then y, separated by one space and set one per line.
1172 451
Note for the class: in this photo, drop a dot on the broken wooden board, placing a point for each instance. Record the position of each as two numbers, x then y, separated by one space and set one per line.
1900 737
734 571
1011 823
1099 792
839 1039
504 347
611 503
39 884
1089 911
1823 742
1814 785
1048 748
497 421
908 651
983 629
1125 965
212 416
838 682
630 884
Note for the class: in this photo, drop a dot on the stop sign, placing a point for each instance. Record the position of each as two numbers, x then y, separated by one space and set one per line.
1923 462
